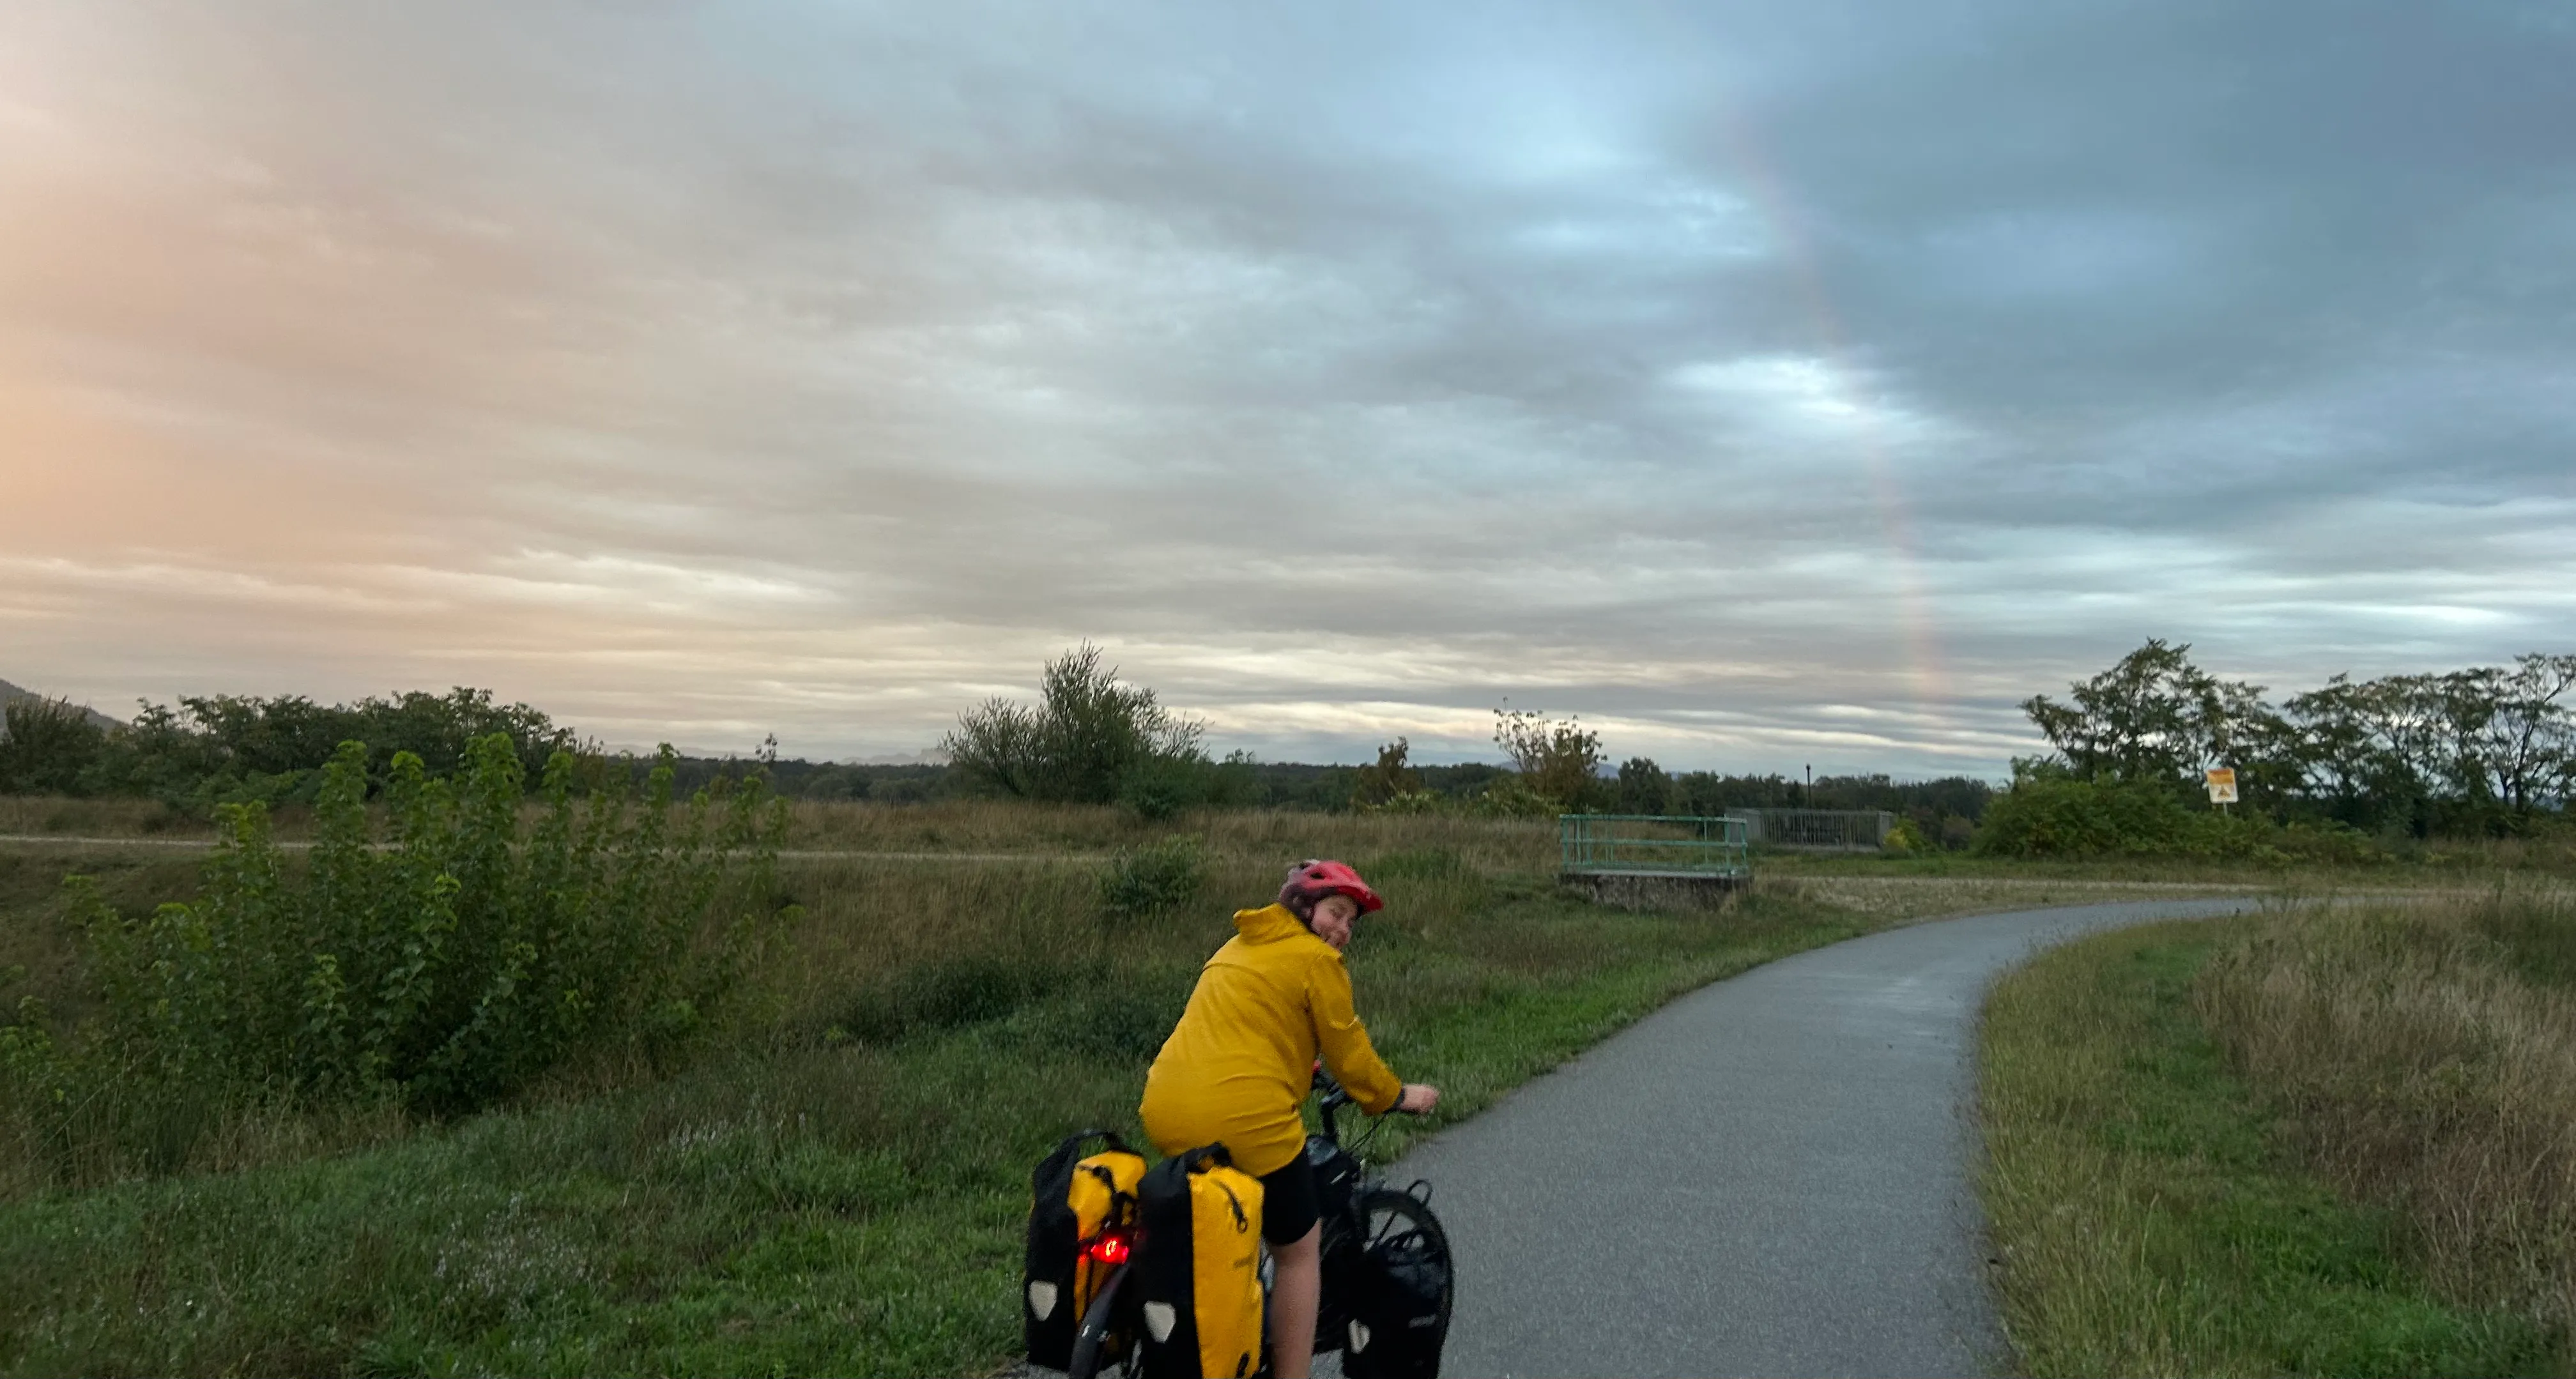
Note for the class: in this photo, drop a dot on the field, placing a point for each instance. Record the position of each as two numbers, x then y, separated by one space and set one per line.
2327 1139
834 1179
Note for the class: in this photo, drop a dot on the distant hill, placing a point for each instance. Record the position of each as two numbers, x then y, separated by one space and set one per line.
10 693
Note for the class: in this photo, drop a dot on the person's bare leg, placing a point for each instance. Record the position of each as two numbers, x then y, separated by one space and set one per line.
1296 1290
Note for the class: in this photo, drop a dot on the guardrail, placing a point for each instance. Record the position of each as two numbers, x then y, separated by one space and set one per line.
1652 845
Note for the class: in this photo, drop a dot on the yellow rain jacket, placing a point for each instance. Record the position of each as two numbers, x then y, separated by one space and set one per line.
1243 1056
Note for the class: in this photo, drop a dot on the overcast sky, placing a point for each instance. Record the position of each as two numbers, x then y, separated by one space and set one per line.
1768 383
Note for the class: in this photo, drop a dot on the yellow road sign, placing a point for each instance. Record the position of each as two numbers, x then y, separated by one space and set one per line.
2222 784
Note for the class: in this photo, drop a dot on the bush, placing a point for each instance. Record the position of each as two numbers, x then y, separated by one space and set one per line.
1091 739
447 963
1152 880
228 750
1510 797
1390 778
2044 816
47 746
1559 761
2053 815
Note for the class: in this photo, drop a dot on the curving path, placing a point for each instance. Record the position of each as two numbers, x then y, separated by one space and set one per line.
1772 1175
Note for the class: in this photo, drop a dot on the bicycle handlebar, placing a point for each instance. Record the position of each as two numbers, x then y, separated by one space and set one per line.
1331 1095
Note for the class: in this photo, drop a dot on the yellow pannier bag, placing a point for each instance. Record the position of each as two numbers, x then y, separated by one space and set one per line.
1199 1260
1082 1219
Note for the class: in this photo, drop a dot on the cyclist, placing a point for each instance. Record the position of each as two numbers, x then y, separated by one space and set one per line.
1243 1057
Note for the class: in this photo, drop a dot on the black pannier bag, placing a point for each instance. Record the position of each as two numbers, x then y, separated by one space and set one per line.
1398 1291
1073 1199
1199 1266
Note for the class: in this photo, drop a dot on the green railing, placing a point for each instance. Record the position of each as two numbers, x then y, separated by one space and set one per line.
1651 845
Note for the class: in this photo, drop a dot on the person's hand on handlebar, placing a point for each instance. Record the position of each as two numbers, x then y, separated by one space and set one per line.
1417 1099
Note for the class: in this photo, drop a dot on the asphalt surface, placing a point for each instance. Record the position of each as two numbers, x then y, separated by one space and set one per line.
1772 1175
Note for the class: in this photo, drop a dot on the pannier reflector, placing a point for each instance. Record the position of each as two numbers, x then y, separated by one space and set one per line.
1160 1318
1042 1300
1359 1336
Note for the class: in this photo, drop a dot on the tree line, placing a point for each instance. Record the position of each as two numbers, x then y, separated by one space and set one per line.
2484 751
1089 738
238 749
1092 738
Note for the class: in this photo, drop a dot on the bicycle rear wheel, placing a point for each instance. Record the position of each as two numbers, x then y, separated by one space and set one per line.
1400 1321
1103 1336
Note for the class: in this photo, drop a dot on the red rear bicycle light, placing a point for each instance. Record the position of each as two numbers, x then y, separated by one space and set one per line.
1109 1249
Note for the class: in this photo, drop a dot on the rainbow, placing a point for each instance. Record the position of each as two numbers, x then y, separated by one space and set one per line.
1917 628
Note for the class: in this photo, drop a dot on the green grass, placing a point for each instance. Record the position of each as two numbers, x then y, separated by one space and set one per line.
2148 1220
839 1184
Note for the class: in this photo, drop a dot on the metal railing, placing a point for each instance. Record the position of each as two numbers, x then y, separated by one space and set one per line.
1651 845
1816 830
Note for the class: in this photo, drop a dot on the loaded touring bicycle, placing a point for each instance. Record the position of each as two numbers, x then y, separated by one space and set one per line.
1160 1272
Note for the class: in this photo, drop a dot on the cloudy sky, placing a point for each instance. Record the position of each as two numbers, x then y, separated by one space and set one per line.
1769 382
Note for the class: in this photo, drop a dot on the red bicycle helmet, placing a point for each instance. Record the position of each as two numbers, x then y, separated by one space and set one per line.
1312 880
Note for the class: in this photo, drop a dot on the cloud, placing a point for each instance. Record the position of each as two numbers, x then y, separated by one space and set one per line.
1768 383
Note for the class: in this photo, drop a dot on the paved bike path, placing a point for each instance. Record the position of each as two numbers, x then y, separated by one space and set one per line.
1772 1175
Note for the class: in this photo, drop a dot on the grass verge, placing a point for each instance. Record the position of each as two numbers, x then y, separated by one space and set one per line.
2424 1058
2148 1218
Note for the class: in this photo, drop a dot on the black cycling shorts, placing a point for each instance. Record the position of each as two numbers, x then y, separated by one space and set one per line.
1289 1206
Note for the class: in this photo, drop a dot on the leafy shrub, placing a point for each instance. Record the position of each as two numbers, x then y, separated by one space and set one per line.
228 750
2049 814
46 747
452 960
1082 743
1154 879
1558 760
33 1072
1388 779
2062 816
1510 797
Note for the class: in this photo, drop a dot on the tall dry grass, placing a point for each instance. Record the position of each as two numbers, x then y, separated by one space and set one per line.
1013 826
2423 1057
951 826
2146 1218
